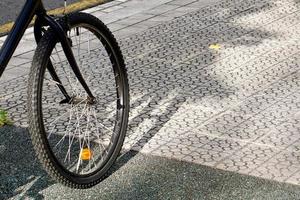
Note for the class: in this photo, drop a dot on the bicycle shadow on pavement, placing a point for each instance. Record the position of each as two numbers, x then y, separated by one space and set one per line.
166 79
20 172
177 68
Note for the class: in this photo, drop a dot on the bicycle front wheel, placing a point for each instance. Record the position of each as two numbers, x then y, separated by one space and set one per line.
78 141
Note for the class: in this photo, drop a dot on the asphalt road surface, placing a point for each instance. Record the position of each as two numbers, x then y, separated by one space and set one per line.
134 176
9 9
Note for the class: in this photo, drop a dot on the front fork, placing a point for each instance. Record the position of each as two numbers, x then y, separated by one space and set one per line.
42 20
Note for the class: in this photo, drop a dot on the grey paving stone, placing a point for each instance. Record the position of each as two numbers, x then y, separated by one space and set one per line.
17 61
109 4
113 8
234 107
161 18
129 31
205 157
135 19
275 171
25 46
116 26
27 55
2 39
161 9
181 2
93 9
130 8
12 73
181 11
149 23
147 4
295 178
203 3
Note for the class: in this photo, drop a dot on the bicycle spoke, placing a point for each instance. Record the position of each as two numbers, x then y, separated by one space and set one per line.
81 133
98 133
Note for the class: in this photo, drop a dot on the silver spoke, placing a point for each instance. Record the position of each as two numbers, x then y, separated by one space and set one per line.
98 132
80 132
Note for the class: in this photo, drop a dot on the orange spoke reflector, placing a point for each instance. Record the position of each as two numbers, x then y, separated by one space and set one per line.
86 154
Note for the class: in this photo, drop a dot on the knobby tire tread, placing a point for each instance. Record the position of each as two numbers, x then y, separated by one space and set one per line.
35 78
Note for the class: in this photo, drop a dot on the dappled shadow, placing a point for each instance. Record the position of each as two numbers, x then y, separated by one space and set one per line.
150 177
172 65
20 172
172 70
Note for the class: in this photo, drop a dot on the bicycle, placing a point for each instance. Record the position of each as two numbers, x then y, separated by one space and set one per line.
78 94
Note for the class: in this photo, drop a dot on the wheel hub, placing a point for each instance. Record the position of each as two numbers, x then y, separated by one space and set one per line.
82 100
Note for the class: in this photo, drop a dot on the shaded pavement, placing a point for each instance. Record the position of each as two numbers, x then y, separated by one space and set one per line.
135 176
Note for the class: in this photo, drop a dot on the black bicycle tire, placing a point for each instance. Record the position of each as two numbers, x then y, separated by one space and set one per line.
35 82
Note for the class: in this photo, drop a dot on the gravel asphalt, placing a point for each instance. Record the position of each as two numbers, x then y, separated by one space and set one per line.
135 176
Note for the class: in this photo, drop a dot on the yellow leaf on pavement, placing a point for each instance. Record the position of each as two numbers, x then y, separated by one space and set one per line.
215 46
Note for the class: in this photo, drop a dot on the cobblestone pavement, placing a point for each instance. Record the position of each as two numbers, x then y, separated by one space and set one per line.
215 83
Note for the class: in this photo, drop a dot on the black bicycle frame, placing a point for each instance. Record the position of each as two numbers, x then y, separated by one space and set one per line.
31 8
